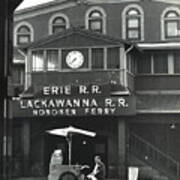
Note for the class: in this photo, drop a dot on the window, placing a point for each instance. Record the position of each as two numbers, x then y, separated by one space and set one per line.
58 23
52 60
172 24
37 61
160 63
96 20
133 23
113 58
23 33
97 58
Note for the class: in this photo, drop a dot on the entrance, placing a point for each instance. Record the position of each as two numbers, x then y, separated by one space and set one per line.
84 149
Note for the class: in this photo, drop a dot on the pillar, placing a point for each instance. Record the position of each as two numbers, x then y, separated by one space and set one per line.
122 149
26 146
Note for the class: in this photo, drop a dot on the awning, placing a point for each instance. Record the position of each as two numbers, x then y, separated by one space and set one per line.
159 46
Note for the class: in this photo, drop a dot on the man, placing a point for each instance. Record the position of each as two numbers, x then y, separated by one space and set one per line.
99 170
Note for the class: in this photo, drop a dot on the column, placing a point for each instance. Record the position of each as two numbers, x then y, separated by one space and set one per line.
26 146
122 149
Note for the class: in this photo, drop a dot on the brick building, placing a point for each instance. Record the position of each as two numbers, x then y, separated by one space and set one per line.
108 66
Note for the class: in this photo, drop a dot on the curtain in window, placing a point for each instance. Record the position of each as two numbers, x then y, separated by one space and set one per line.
113 58
97 58
160 63
37 61
52 60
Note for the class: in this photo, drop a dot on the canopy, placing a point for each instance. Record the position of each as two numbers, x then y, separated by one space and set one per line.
68 132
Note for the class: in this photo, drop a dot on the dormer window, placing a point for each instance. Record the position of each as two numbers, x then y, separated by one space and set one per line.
96 20
172 24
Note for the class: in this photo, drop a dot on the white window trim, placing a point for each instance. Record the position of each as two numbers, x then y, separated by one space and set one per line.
104 17
176 9
50 28
127 8
23 23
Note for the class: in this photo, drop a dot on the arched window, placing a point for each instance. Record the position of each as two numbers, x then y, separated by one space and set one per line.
172 24
96 20
133 23
58 23
23 34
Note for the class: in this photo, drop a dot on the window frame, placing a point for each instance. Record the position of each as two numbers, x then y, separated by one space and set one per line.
16 34
53 17
165 20
103 18
139 17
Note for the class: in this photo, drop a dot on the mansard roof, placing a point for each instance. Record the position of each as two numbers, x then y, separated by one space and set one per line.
76 37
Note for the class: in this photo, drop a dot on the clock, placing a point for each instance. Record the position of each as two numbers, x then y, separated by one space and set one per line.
74 59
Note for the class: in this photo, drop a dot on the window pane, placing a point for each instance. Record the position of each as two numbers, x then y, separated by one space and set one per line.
177 62
160 63
37 61
172 28
133 34
97 58
113 58
133 12
133 23
57 29
144 63
23 29
23 39
171 15
95 14
59 20
52 60
96 25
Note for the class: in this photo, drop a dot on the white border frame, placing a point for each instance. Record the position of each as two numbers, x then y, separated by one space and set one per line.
50 29
23 23
104 17
172 8
140 9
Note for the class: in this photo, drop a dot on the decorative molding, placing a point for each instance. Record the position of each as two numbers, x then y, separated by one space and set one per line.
19 16
140 9
98 9
23 23
53 17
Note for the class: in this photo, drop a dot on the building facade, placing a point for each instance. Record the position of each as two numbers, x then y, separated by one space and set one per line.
108 66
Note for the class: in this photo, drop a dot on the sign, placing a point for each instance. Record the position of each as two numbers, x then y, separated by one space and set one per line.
87 101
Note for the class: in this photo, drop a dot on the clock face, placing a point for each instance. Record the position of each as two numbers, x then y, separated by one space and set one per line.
75 59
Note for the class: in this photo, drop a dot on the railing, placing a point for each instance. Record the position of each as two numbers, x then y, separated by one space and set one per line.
150 154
